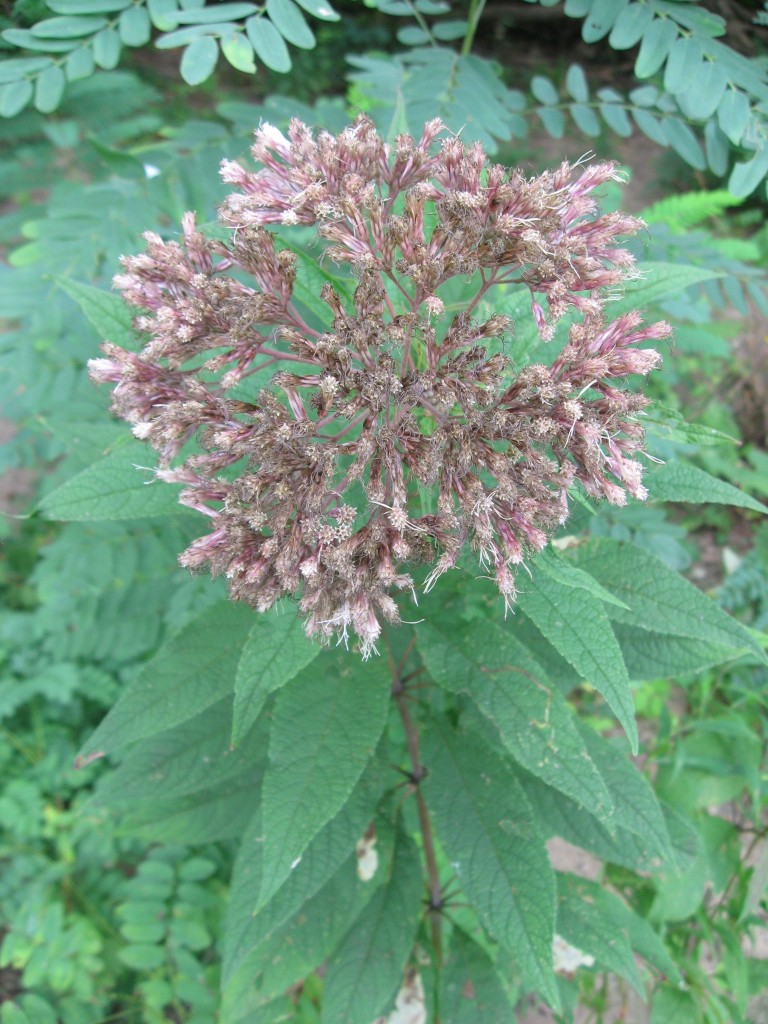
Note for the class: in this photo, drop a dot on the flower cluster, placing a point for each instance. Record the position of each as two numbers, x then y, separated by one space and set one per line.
332 454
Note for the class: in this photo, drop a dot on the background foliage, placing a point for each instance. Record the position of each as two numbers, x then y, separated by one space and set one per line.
128 892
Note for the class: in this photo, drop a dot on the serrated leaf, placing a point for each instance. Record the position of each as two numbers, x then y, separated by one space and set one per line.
470 989
560 569
652 655
268 44
290 23
587 927
193 755
577 626
654 49
276 650
106 311
325 728
367 967
114 488
491 836
657 282
192 671
680 481
247 930
656 598
199 60
205 816
511 690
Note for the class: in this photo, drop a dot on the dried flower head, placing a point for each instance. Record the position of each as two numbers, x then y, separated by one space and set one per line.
332 455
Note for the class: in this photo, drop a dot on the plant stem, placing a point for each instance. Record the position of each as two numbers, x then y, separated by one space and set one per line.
418 773
473 19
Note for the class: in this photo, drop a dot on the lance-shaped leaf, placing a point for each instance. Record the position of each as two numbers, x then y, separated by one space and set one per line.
488 829
679 481
109 314
194 670
470 988
327 723
275 651
246 929
511 689
367 967
576 624
658 599
119 486
194 755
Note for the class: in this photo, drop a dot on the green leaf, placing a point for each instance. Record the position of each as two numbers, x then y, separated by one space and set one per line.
656 598
325 728
630 26
193 671
88 6
199 60
193 755
654 49
600 20
247 930
544 91
24 37
205 816
67 27
674 1006
230 12
490 834
107 48
470 988
276 650
268 44
49 89
79 63
746 177
560 569
367 967
705 89
613 112
590 929
650 126
106 311
511 690
113 488
682 64
163 14
142 957
680 481
576 625
134 26
652 655
238 51
320 9
682 139
733 114
15 96
658 282
14 68
586 119
290 23
553 121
